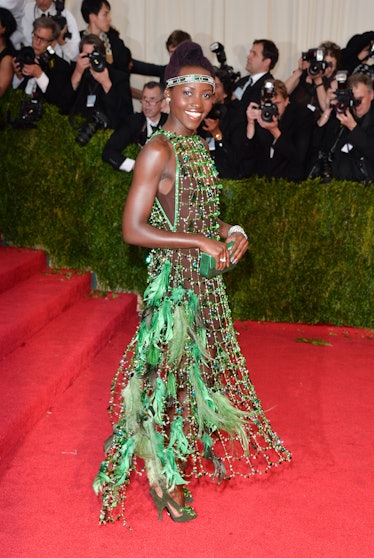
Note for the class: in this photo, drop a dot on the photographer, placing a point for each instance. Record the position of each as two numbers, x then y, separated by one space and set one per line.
96 86
68 39
357 51
279 134
261 59
345 133
38 70
138 128
219 128
308 85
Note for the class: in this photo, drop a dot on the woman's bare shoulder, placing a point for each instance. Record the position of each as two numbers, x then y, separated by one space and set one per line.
160 144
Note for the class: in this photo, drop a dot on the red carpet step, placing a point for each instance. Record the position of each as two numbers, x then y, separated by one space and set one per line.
51 327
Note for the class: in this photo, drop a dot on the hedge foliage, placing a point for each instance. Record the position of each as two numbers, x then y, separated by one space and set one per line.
311 244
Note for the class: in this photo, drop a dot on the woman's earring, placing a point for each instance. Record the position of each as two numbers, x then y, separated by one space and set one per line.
167 99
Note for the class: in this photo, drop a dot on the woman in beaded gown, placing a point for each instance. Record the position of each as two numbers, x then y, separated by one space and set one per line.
182 402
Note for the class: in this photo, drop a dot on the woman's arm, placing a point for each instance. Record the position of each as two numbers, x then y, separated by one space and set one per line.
6 74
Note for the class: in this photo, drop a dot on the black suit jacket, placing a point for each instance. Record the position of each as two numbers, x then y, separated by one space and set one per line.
356 161
114 104
244 163
253 92
58 89
134 131
226 150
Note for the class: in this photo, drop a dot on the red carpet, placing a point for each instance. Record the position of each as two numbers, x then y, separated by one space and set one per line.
316 382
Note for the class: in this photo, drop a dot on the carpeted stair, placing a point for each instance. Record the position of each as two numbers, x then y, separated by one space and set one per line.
44 308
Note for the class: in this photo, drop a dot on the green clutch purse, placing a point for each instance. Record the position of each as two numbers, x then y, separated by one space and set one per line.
208 264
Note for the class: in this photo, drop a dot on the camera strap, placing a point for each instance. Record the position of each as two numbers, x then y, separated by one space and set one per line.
73 112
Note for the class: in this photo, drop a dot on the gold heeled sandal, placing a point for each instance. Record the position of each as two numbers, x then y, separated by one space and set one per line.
166 501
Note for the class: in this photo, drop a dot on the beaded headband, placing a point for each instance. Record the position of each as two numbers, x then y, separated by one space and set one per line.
190 78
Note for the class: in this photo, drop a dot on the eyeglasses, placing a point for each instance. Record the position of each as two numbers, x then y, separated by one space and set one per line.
41 39
150 101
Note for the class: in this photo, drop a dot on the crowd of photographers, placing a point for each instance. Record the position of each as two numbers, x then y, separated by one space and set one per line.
318 122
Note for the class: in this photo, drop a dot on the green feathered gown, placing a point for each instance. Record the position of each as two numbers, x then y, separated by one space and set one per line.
182 402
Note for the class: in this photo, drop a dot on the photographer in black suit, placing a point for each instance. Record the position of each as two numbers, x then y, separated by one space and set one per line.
279 134
96 87
345 132
261 58
39 71
138 128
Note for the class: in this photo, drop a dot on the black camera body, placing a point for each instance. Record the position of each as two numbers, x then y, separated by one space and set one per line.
97 60
98 121
25 55
219 51
317 63
344 100
343 95
268 108
31 110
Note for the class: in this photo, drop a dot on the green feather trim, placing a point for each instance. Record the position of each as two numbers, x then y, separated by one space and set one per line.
192 307
150 447
143 333
178 341
167 318
125 462
171 387
170 470
157 288
101 479
177 294
133 403
215 412
157 325
232 420
153 354
158 400
178 438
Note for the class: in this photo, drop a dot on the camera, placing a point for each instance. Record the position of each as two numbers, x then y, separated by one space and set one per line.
46 60
343 95
25 55
98 61
268 108
323 167
98 121
59 18
31 110
315 57
219 51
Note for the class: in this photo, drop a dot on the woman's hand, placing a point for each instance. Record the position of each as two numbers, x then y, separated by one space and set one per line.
219 251
240 246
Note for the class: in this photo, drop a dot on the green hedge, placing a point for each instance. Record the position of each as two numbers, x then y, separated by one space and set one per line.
311 244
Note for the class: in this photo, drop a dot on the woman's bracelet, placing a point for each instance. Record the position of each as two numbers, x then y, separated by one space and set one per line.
237 229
